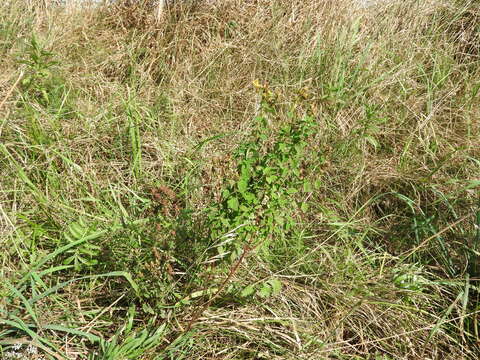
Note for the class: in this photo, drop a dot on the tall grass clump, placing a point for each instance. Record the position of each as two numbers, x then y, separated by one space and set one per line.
240 180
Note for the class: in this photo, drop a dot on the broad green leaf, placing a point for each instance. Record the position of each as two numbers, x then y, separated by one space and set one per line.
249 197
242 185
233 203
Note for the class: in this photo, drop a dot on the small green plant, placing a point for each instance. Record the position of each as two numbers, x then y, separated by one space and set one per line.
265 289
261 200
132 346
39 71
41 84
410 278
370 127
85 252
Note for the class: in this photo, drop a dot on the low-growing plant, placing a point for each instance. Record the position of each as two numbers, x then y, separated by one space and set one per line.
41 83
39 70
21 309
85 252
127 344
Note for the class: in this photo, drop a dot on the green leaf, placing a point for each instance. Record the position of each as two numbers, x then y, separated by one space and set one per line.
276 286
271 179
148 309
92 338
249 197
225 193
472 184
244 209
265 291
249 290
27 305
268 170
245 170
233 203
304 207
307 186
242 185
372 141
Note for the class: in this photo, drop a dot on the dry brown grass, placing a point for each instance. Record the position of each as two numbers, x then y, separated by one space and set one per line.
394 91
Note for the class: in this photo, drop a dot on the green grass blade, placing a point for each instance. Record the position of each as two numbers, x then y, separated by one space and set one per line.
25 302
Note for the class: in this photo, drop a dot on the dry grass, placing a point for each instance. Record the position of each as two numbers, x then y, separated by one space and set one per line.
132 134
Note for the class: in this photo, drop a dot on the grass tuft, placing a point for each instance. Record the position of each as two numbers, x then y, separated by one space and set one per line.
240 180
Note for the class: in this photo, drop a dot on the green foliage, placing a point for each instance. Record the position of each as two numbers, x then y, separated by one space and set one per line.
410 278
370 127
40 83
39 69
85 252
265 289
261 202
134 119
132 347
21 308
